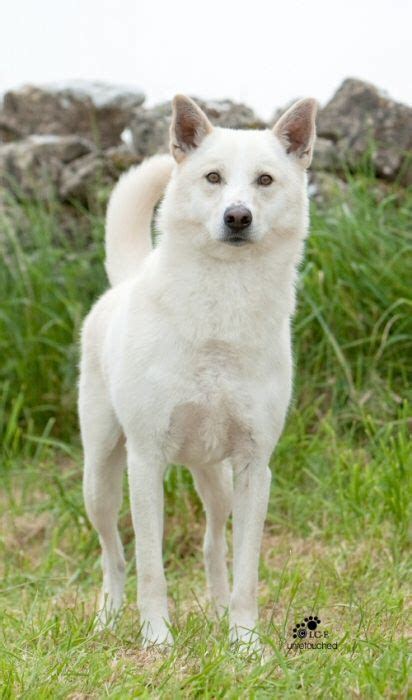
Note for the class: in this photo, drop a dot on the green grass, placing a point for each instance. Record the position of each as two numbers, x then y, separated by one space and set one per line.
336 540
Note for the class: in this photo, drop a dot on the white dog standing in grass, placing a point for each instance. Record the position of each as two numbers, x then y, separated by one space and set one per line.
187 358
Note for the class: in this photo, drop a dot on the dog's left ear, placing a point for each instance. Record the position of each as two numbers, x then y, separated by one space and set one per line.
189 127
296 130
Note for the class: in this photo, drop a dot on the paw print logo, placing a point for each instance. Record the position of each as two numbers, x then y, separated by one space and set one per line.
300 631
312 622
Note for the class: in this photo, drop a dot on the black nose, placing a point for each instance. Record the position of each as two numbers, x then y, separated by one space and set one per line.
237 217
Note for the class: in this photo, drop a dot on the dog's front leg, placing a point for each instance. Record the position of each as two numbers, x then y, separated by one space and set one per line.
251 495
146 498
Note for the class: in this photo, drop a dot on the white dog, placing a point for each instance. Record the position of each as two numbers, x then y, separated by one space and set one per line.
187 358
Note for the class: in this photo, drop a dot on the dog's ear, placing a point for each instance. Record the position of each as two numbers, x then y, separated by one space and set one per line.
189 127
296 130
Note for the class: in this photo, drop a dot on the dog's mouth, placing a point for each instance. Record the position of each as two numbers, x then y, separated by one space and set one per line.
235 239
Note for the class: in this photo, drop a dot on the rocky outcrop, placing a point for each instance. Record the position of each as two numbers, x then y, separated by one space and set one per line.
360 123
32 167
69 140
96 111
81 178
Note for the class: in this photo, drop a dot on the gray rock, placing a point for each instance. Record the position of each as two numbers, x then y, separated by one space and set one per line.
9 130
150 127
79 178
363 122
32 167
325 155
97 111
325 187
83 178
231 115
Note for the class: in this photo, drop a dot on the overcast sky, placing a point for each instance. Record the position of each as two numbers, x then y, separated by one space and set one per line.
264 53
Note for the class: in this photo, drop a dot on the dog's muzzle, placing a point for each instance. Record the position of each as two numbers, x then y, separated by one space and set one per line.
237 220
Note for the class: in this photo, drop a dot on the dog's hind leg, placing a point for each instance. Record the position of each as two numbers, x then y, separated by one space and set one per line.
104 462
215 488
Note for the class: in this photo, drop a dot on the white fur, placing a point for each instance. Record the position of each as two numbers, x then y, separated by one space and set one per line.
188 359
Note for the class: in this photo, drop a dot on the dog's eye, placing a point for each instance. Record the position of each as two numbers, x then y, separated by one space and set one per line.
213 177
265 180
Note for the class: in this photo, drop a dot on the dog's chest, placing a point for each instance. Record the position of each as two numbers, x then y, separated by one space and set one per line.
209 423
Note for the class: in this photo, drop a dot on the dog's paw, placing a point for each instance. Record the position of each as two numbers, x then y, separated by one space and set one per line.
155 632
220 607
108 612
106 619
245 640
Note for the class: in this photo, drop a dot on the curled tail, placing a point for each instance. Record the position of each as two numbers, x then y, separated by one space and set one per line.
129 216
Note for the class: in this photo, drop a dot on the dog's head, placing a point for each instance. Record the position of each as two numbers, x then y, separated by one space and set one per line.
234 189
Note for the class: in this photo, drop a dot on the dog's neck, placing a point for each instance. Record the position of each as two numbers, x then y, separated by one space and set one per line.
251 294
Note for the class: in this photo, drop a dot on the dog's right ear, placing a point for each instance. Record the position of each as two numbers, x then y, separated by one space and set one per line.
189 127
